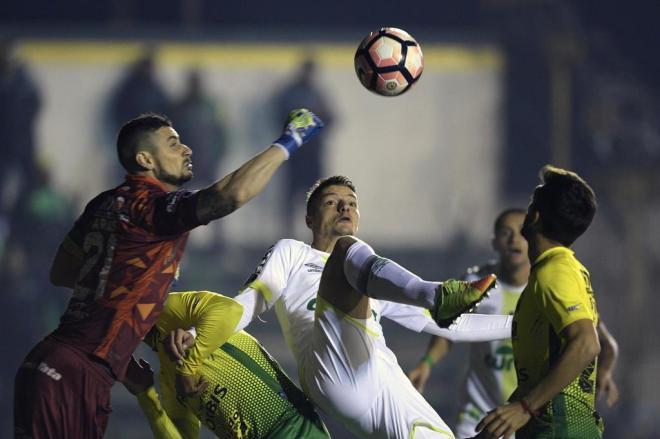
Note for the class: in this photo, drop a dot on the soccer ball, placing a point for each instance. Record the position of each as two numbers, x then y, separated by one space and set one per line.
389 61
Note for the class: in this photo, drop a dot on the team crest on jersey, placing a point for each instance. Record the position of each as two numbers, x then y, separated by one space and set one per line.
260 267
172 201
120 205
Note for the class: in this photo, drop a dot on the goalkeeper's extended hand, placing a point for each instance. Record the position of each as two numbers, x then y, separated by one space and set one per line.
301 125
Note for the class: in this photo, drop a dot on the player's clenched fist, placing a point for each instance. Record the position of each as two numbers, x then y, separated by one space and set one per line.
300 126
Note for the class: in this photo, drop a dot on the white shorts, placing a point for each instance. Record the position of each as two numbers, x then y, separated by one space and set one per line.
466 425
349 372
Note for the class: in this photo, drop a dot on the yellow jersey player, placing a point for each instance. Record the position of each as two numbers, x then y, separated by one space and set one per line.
246 394
490 378
555 343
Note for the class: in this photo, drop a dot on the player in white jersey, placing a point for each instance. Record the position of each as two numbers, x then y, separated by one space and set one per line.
491 375
329 297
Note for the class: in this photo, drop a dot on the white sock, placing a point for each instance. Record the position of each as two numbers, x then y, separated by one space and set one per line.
380 278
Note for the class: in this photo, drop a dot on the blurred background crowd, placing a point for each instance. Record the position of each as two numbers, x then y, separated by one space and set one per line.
509 85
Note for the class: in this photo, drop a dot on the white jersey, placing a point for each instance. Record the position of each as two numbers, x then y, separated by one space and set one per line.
289 277
344 364
491 375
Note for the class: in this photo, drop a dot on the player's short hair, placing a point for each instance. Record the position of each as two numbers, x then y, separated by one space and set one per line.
566 203
315 190
132 135
499 219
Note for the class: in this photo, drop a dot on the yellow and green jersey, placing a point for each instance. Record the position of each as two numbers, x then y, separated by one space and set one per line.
248 396
558 293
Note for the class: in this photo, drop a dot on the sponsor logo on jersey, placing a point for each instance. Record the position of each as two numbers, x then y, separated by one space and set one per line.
313 268
50 371
211 404
585 381
239 427
501 359
573 308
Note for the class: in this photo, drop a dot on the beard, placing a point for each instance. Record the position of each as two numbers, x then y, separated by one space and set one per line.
176 180
527 230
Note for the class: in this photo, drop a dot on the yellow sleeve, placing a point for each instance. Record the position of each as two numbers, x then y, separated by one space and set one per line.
214 317
564 296
182 417
161 425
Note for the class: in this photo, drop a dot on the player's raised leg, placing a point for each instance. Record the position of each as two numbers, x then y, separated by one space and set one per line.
355 272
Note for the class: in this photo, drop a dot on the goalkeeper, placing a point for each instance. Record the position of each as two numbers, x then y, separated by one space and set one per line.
244 393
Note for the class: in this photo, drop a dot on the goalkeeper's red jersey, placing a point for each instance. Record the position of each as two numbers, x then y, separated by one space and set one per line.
131 239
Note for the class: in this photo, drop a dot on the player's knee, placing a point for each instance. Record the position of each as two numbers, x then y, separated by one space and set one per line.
342 245
334 267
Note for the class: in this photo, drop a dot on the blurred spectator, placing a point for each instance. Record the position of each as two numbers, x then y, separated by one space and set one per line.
307 165
199 124
139 91
617 125
39 217
20 106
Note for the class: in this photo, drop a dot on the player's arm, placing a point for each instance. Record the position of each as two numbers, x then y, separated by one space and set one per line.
214 317
66 264
609 353
237 188
265 285
563 300
437 349
581 348
468 328
139 381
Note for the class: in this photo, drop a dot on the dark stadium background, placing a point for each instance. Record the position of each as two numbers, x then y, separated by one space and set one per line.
580 87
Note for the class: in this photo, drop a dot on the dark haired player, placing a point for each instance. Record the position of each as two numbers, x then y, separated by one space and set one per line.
329 298
555 343
491 375
120 258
